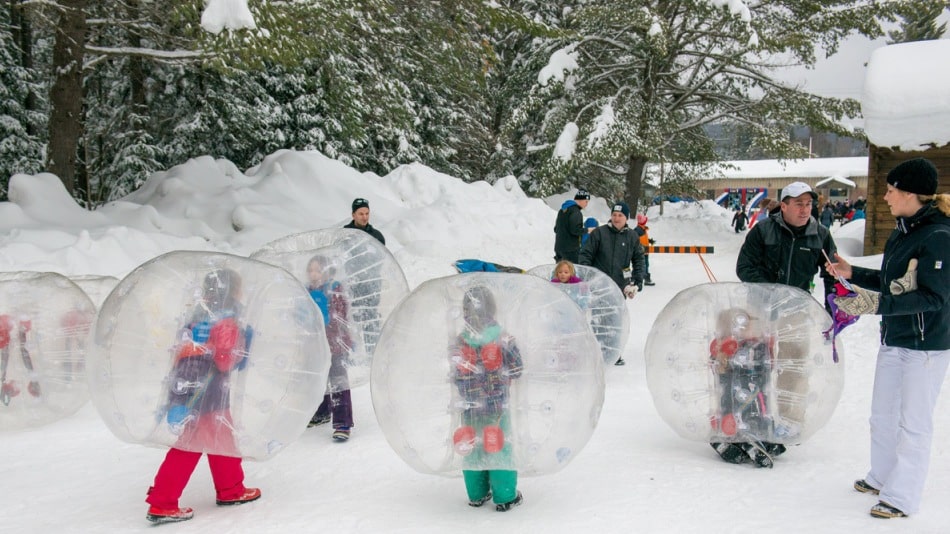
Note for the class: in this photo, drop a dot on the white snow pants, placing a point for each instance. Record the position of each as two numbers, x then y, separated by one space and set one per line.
906 385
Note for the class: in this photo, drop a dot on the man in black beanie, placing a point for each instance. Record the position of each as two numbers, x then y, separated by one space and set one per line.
614 249
569 227
366 285
361 220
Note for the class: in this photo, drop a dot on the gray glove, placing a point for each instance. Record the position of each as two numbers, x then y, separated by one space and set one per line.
908 282
864 303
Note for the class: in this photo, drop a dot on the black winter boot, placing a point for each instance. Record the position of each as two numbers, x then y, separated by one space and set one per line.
730 452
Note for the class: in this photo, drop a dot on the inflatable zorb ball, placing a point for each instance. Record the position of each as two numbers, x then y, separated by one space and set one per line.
487 371
736 362
208 353
355 281
603 303
96 287
44 322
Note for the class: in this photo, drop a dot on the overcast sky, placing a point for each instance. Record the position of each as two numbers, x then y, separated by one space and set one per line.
842 75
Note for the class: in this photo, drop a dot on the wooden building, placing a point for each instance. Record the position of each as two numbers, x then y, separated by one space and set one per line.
906 115
880 222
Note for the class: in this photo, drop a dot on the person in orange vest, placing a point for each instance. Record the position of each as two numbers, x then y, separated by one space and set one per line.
643 230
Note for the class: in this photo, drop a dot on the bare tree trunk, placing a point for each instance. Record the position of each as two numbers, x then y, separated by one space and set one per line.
662 179
136 70
634 181
65 121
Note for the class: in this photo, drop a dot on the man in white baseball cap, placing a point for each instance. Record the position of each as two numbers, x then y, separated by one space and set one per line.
786 248
797 202
797 189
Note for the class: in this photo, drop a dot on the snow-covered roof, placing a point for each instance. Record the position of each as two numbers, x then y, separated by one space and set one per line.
840 179
802 168
906 99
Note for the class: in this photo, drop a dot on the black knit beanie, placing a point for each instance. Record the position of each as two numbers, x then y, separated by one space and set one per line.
916 175
360 203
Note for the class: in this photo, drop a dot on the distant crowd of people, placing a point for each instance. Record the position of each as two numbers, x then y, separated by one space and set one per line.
842 212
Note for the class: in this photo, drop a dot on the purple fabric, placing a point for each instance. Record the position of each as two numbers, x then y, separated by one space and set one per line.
198 380
840 319
198 385
337 403
339 406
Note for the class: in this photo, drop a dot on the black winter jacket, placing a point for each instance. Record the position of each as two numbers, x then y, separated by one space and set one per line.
918 320
369 230
773 253
568 229
611 251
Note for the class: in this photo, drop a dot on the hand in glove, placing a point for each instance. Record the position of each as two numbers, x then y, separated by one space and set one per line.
630 291
652 241
906 283
864 302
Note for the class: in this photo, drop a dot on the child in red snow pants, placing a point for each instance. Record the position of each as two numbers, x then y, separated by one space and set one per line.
179 464
177 468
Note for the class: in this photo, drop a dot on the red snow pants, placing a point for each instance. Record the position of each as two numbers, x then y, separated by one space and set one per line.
177 468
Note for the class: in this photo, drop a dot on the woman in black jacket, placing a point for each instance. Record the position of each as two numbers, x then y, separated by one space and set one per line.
911 293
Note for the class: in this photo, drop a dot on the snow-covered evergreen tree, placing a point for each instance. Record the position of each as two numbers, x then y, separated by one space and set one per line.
919 21
576 92
20 150
639 79
521 48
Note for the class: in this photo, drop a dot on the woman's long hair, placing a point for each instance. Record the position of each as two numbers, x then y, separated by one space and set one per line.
940 200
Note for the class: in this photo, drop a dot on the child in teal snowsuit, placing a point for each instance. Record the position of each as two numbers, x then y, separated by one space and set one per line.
486 361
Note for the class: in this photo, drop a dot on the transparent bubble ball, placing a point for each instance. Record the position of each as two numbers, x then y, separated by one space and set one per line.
209 353
487 371
603 304
738 362
97 287
44 325
355 266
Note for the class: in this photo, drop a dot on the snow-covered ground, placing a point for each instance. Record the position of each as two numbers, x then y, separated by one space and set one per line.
634 475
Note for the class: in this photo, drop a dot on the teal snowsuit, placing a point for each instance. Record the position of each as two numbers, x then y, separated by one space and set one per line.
486 364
